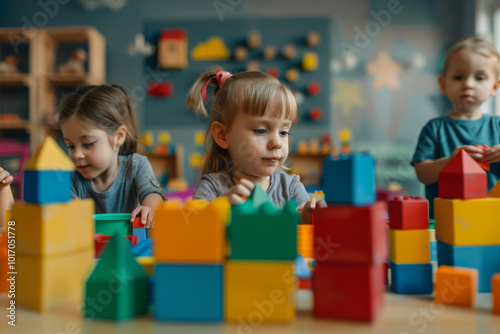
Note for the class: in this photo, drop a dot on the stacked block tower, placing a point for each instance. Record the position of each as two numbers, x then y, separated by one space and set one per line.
467 221
350 243
190 249
54 243
260 279
409 246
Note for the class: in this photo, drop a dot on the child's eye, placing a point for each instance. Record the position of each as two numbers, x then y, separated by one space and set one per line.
284 134
70 147
89 145
260 131
480 78
457 77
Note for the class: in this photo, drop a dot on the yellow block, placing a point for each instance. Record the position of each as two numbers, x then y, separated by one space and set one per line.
432 235
147 263
467 222
409 246
495 293
258 292
45 283
193 233
49 156
456 286
53 229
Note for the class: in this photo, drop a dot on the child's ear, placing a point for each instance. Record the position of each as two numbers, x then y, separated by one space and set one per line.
442 84
219 133
121 135
495 87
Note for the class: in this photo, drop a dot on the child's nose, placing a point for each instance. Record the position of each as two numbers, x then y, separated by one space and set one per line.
275 142
469 82
78 153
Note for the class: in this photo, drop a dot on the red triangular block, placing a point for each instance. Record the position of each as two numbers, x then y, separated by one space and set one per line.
462 178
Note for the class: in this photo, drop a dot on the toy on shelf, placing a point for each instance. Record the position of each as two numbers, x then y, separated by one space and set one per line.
240 53
316 114
289 51
254 39
172 49
310 61
292 75
9 65
252 66
313 88
75 65
345 137
161 89
269 52
313 38
214 48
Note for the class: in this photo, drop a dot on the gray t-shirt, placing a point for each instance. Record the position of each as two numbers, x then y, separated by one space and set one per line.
283 188
134 181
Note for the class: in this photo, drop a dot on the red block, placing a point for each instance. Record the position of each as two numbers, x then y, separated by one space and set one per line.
101 240
462 178
409 213
136 223
160 89
350 234
354 293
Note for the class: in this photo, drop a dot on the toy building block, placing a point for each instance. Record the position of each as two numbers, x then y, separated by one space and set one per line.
305 238
172 48
350 179
147 262
100 242
258 231
47 174
353 293
409 246
433 250
266 288
193 233
119 279
495 284
141 234
462 178
456 286
350 234
495 191
4 264
409 213
144 248
160 89
482 164
485 259
467 222
411 278
48 282
54 229
188 292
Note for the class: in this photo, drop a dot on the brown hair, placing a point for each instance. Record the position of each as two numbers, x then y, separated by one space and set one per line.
252 92
475 44
106 107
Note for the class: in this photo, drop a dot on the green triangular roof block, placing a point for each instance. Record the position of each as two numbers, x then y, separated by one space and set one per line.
118 288
258 197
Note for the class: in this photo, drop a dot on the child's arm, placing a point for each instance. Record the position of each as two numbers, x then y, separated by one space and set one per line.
492 154
6 197
428 170
147 209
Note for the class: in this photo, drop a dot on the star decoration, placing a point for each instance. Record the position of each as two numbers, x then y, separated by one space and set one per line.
385 71
348 95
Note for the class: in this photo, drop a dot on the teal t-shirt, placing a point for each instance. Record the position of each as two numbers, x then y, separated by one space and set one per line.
441 135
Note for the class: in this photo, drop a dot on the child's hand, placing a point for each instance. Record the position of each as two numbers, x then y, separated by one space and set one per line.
492 154
308 207
475 152
5 178
242 189
146 215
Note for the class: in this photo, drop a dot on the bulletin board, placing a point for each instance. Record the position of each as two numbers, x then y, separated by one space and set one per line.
172 111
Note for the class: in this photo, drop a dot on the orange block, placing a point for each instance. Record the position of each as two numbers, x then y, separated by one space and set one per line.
193 233
495 293
456 286
4 266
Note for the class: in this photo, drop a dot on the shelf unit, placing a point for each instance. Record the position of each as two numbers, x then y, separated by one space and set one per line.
42 80
308 166
170 163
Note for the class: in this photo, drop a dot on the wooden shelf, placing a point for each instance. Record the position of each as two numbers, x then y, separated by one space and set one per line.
308 166
69 79
14 125
167 163
15 79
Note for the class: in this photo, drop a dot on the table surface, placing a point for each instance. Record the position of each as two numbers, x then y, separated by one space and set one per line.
402 314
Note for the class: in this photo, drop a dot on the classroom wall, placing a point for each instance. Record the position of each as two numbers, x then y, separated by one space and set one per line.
385 116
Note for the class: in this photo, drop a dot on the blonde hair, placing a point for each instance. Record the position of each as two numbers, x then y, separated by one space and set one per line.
107 108
475 44
251 92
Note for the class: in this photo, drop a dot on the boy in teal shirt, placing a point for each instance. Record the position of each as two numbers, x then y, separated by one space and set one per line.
470 77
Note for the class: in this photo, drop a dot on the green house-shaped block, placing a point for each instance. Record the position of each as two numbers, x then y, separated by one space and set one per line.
118 288
258 231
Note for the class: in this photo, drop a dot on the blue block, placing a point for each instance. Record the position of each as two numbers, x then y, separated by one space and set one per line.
188 292
43 187
302 270
141 234
434 251
350 179
144 248
415 278
486 259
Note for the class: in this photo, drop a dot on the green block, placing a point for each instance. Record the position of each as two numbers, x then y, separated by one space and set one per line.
260 232
118 287
113 223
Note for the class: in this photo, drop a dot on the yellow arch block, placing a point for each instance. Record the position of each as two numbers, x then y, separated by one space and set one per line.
409 246
195 232
467 222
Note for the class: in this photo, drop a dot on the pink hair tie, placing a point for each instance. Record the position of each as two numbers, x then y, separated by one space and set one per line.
221 77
